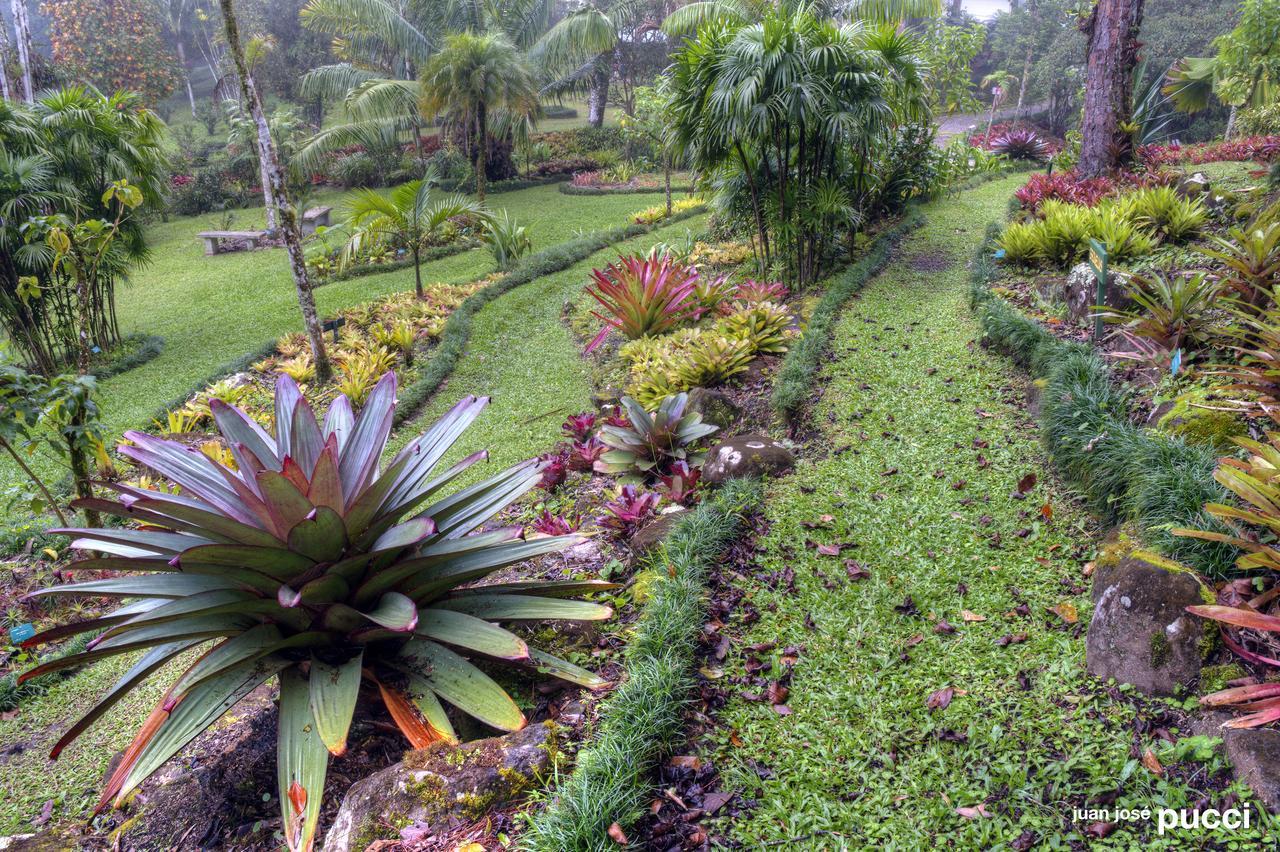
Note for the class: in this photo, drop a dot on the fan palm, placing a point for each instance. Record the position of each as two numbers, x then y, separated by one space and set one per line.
471 77
689 17
305 562
407 217
385 46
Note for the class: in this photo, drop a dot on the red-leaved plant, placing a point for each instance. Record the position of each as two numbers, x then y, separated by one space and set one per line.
555 469
630 510
579 426
681 484
549 524
643 296
585 454
752 291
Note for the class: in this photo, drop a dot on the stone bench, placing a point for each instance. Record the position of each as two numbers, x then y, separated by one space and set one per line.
315 217
213 239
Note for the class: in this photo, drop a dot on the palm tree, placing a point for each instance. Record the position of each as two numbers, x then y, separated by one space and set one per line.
689 17
470 78
789 115
407 217
387 45
587 40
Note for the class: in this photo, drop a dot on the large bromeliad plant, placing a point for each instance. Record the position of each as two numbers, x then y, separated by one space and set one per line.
311 564
1250 620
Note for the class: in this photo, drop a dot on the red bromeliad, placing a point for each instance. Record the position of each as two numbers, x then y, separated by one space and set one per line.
643 296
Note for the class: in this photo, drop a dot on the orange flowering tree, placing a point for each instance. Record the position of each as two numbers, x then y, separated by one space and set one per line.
113 44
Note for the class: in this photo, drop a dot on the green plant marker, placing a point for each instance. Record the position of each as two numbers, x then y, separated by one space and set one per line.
1098 263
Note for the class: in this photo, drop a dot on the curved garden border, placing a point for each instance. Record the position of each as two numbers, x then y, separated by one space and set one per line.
1125 471
570 189
609 783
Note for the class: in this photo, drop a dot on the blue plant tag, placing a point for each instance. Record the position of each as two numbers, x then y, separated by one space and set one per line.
21 633
999 254
1175 363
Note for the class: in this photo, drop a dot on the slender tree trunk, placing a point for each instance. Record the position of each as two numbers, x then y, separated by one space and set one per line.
417 274
991 120
4 62
22 29
1022 83
268 197
82 320
186 72
80 475
1112 30
288 216
35 480
481 157
1231 124
666 179
598 95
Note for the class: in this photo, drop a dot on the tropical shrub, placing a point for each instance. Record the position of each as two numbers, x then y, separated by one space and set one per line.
579 427
1254 377
1174 311
711 294
658 212
1020 144
1261 148
651 443
764 326
1169 216
752 291
508 240
1064 231
1123 238
1252 261
1020 243
643 296
310 563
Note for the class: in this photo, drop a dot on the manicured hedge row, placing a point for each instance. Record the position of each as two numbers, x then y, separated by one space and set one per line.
149 347
644 716
794 384
570 189
457 329
1125 471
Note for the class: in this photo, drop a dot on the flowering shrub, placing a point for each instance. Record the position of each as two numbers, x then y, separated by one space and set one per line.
1261 148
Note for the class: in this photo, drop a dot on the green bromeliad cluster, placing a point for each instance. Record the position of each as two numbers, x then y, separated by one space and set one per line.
706 354
305 561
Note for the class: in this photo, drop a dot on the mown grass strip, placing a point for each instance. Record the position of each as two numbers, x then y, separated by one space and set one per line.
1126 471
610 782
457 329
794 384
676 189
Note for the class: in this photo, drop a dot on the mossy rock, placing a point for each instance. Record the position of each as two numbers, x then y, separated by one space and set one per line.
432 786
1208 427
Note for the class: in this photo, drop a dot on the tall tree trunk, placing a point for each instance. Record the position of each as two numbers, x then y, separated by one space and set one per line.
1231 124
22 29
481 150
186 73
1112 30
598 95
1022 83
4 62
955 11
288 216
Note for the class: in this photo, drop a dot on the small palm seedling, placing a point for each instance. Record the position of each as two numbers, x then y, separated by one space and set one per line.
312 565
651 443
643 296
508 240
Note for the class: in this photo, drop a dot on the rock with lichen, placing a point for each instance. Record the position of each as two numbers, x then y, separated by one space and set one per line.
434 789
746 456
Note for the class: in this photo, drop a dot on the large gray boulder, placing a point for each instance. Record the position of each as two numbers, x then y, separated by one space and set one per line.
1141 633
746 456
434 788
1080 291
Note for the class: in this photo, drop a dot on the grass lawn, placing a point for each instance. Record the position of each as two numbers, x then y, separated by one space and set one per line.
929 441
522 355
212 310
